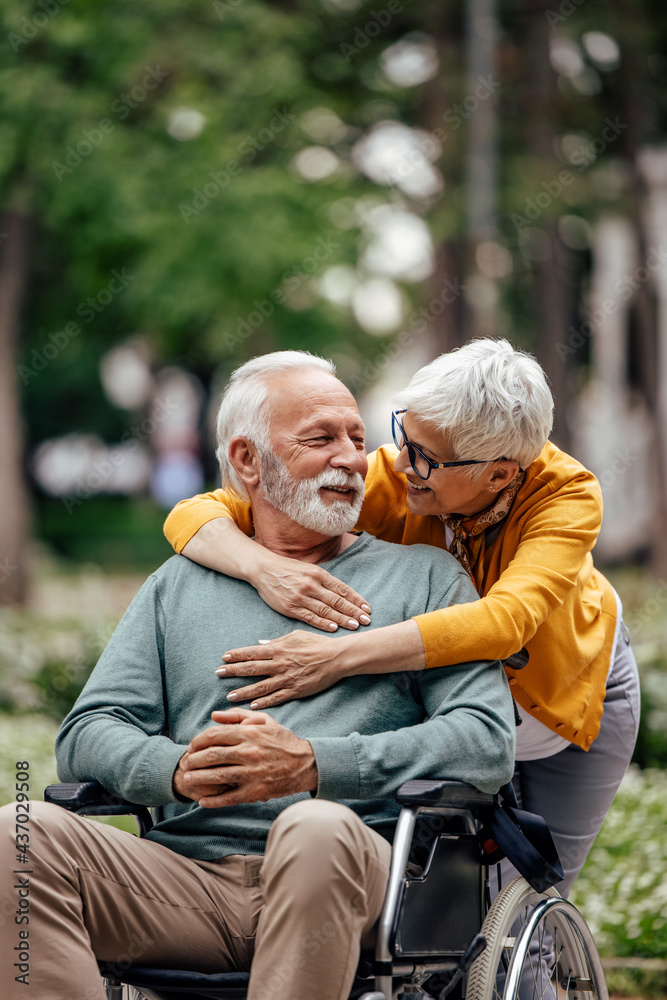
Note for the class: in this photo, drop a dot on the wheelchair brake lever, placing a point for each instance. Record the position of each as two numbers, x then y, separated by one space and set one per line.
473 951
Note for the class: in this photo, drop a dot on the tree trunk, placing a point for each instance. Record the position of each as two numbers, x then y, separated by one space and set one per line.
15 233
552 295
481 180
443 295
651 327
482 137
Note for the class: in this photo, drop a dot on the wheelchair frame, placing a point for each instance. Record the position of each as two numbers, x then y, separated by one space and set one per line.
498 963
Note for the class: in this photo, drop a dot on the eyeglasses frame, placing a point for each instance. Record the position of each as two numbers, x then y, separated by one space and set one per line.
412 448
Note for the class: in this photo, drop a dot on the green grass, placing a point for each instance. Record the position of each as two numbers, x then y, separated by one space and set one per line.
45 660
27 738
622 889
30 739
645 613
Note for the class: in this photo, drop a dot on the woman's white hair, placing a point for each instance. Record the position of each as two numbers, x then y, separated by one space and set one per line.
490 401
243 411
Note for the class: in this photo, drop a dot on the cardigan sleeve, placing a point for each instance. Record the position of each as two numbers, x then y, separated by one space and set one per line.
190 515
553 542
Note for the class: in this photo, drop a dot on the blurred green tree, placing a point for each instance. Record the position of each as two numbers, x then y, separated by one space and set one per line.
147 158
144 160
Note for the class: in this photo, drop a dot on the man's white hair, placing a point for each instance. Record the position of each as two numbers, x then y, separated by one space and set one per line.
243 411
490 401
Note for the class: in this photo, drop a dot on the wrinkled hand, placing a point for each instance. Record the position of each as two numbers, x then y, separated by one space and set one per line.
247 757
307 592
298 664
200 791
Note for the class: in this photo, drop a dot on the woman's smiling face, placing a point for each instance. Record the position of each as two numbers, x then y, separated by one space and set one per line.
448 491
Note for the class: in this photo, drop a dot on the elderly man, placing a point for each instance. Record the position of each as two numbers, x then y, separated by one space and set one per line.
273 850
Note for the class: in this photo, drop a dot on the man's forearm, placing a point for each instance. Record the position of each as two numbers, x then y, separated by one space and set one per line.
178 782
124 760
469 737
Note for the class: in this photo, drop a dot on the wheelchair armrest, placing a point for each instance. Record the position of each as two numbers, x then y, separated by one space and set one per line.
89 798
428 793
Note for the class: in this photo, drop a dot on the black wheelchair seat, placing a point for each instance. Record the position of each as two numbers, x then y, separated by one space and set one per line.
165 984
176 984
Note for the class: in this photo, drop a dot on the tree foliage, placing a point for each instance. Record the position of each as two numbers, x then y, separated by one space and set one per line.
152 146
200 230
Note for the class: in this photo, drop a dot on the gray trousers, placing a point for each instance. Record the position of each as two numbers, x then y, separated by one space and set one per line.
574 789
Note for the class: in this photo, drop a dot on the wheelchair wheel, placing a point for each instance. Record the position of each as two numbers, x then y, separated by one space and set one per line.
538 948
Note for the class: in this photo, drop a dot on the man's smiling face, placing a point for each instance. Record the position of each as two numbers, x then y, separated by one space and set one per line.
315 474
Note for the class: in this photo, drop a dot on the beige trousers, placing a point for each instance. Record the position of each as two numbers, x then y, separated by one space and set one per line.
295 917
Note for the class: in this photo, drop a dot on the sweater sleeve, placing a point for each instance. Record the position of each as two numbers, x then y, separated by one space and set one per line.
556 538
469 736
116 733
190 515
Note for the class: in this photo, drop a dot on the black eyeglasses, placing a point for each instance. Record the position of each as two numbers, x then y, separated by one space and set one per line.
421 463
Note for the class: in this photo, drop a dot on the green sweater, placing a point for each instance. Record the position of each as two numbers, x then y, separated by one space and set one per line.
155 686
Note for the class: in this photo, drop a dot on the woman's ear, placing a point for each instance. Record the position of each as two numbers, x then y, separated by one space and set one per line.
244 458
502 475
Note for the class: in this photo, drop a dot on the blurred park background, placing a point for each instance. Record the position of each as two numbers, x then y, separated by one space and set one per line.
189 184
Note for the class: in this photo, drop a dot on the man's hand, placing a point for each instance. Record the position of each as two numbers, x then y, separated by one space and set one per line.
247 757
186 792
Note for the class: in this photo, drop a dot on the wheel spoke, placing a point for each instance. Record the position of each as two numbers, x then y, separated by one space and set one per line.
538 948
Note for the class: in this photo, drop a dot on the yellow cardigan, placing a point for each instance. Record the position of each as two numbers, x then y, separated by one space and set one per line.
540 588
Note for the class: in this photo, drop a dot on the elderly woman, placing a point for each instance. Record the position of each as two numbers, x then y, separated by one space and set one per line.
472 472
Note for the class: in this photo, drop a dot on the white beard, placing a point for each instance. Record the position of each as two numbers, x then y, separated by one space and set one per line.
300 500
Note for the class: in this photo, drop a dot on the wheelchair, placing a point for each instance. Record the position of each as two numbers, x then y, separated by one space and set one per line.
439 934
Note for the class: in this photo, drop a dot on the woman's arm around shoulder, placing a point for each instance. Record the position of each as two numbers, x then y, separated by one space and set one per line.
189 516
213 529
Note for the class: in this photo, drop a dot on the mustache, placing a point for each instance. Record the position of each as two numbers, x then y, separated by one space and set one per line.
338 477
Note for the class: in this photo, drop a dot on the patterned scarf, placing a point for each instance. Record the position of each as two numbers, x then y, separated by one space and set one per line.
469 544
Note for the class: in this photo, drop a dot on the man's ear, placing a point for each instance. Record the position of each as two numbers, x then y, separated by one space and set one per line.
245 459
